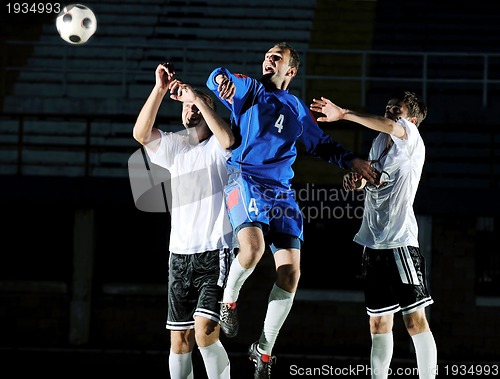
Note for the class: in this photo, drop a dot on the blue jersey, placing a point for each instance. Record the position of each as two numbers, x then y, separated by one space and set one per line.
267 124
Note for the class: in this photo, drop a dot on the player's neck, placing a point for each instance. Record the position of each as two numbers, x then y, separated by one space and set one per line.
272 83
198 134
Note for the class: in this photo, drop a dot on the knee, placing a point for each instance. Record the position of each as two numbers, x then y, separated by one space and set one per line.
206 332
182 341
252 247
209 328
288 277
416 323
381 325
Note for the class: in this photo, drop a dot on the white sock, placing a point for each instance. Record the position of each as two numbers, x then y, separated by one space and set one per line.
381 355
425 348
278 306
216 361
180 365
237 276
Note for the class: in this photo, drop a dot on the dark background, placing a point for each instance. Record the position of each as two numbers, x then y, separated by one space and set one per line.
83 270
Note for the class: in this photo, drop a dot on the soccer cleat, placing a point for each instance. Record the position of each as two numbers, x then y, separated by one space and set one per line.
262 362
229 319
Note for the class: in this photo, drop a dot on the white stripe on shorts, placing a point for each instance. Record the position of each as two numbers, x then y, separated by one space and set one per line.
226 257
405 265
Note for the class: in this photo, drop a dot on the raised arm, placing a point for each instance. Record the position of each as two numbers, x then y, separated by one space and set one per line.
333 112
143 130
322 145
221 130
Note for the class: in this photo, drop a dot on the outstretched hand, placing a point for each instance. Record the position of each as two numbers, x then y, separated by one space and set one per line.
331 111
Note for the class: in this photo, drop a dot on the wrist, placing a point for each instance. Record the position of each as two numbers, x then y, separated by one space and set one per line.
159 89
348 160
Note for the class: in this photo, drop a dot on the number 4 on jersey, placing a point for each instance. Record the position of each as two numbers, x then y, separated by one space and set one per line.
279 122
252 206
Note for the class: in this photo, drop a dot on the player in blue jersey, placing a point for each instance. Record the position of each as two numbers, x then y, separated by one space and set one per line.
267 123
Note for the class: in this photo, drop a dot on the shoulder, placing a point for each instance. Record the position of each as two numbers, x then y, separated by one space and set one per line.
293 102
212 145
413 139
407 124
412 132
174 137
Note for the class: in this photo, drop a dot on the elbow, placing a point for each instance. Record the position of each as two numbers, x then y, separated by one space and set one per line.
228 142
139 137
232 140
136 136
211 81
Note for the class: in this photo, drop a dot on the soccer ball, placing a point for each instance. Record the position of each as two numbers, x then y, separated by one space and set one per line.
76 23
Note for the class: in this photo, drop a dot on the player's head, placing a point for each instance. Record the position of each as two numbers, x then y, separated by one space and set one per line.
294 55
406 104
208 99
191 115
280 65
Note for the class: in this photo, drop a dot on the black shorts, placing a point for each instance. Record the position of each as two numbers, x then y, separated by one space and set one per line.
394 280
195 286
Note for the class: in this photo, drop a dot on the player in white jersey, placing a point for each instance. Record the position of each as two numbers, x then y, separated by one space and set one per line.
201 235
393 267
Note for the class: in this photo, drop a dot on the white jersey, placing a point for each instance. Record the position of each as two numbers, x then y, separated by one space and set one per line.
388 219
199 221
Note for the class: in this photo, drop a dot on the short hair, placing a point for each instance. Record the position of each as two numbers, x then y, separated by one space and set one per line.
416 106
209 100
294 55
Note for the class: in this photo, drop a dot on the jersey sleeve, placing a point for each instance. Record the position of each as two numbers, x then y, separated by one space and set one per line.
170 146
225 153
412 135
318 143
245 86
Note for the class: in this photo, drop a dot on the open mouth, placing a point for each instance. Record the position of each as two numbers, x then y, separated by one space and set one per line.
193 119
268 69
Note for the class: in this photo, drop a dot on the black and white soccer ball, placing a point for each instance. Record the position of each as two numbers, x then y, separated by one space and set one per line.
76 23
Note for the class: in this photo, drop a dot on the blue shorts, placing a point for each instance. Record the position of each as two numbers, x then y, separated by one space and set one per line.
250 202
